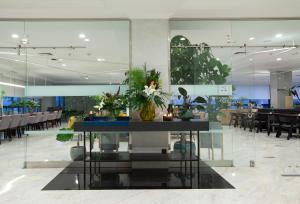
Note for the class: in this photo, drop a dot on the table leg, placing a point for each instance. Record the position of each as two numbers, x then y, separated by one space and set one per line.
84 161
198 154
191 162
185 153
90 136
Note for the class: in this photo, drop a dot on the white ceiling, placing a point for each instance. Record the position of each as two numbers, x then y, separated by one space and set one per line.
148 9
249 68
109 40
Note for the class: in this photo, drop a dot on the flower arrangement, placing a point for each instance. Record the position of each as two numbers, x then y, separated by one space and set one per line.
145 93
186 112
239 103
113 103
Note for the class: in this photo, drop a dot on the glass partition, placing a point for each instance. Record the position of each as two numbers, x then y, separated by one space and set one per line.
68 64
206 61
12 87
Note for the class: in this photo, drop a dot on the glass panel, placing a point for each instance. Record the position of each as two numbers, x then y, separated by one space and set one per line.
208 53
84 58
12 85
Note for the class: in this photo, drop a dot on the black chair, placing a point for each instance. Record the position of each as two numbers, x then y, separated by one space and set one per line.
243 117
261 121
273 122
234 118
288 123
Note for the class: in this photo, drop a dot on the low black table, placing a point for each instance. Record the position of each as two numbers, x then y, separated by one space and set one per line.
138 126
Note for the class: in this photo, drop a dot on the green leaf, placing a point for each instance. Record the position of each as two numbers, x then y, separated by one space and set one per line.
199 107
64 137
199 99
182 91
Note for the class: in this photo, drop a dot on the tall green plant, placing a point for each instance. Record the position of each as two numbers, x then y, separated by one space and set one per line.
195 64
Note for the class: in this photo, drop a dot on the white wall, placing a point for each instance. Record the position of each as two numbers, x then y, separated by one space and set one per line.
252 92
150 45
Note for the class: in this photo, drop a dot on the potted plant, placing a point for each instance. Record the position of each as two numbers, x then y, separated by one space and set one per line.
239 103
186 112
112 103
76 152
289 98
145 93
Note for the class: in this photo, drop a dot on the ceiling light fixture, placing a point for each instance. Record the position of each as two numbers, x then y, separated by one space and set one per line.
10 84
275 50
250 59
24 40
100 60
60 60
278 59
64 65
182 38
81 35
86 77
87 40
15 36
252 38
278 35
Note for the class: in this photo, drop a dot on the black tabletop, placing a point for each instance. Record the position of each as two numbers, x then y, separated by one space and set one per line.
115 126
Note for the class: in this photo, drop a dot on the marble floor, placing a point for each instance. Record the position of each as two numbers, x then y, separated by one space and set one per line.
260 184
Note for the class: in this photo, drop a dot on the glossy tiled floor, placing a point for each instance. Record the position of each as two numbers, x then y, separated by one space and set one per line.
261 184
74 177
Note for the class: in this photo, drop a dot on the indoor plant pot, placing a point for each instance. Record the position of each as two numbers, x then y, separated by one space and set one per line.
77 153
187 116
289 102
147 112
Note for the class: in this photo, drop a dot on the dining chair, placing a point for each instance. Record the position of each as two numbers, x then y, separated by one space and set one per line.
58 117
23 124
288 123
44 120
4 125
14 124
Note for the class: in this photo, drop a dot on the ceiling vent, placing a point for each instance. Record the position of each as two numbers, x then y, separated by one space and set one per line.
240 53
46 53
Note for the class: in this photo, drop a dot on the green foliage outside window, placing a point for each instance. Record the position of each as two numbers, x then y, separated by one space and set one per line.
195 64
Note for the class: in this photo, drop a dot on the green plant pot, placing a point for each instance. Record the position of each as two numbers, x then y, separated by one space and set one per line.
147 112
77 153
187 115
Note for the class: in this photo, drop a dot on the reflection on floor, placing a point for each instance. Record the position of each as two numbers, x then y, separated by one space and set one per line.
261 184
74 177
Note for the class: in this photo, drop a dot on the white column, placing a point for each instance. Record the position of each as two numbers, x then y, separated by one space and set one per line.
150 45
279 82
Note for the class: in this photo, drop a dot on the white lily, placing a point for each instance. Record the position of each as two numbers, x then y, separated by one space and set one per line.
100 106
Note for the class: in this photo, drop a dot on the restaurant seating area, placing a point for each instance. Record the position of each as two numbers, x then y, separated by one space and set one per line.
275 121
13 126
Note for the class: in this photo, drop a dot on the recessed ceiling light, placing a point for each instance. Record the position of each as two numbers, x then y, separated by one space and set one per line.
24 40
81 35
250 59
17 60
100 60
87 40
64 65
278 35
182 38
15 36
86 77
278 59
60 59
252 38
